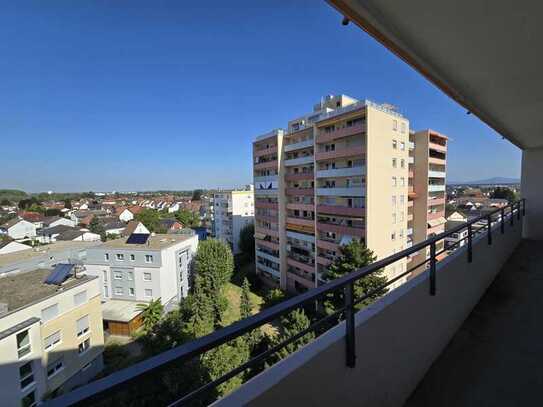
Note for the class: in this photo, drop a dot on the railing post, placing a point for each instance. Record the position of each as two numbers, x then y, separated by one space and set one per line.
433 268
502 223
518 211
470 254
349 325
489 231
512 220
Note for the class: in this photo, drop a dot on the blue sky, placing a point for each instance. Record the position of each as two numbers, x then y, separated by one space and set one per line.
133 95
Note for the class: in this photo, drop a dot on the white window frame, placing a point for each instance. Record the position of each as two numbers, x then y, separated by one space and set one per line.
119 256
117 273
84 331
148 258
106 256
147 279
52 306
86 348
31 374
56 370
53 345
145 293
119 291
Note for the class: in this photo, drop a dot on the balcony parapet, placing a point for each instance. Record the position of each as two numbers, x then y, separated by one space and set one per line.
340 133
343 230
342 191
341 172
341 210
340 153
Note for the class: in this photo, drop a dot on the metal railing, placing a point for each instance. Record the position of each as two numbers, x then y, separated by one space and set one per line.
126 379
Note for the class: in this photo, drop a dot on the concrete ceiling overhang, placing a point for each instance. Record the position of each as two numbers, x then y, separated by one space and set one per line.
486 55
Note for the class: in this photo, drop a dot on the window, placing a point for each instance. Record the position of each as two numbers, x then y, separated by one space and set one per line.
51 340
402 182
402 199
80 298
148 292
393 236
106 256
82 325
105 275
394 144
402 163
54 367
393 181
146 276
130 275
393 200
49 313
394 163
401 216
86 367
403 127
84 346
29 400
119 291
120 256
118 275
393 218
394 124
26 375
148 258
132 257
131 291
401 233
402 146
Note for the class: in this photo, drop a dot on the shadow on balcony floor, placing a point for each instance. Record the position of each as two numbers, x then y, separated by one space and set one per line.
496 358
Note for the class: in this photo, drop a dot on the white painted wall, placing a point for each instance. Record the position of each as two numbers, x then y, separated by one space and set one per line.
126 216
532 190
22 230
14 247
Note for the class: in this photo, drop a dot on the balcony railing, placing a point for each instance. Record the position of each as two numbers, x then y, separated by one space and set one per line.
127 379
341 191
341 172
299 145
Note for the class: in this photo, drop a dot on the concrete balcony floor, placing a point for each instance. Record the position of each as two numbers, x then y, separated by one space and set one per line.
496 357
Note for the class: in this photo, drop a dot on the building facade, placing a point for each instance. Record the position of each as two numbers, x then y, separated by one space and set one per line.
157 268
339 173
51 337
233 210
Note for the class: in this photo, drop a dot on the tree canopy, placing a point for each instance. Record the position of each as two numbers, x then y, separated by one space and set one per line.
187 218
504 193
150 218
247 240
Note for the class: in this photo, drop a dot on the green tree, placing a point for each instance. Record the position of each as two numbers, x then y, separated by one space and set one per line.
95 226
187 218
247 240
5 202
246 310
201 314
151 313
293 323
197 194
150 218
504 193
354 256
68 204
274 296
170 331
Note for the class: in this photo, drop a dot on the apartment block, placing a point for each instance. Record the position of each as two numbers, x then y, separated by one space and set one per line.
336 174
427 189
51 336
132 271
233 210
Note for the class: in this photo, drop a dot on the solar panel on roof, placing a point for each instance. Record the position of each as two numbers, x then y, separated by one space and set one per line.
59 274
137 238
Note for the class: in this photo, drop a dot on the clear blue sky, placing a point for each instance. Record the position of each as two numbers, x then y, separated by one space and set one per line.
133 95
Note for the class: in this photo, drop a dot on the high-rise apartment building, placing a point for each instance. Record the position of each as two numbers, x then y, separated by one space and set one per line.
428 160
233 210
339 173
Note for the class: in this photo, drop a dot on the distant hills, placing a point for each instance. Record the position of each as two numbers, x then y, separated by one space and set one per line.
488 181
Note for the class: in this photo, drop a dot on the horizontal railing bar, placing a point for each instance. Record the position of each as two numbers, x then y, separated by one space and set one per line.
223 335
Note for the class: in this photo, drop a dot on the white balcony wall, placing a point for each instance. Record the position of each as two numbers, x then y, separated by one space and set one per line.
436 174
299 161
341 172
436 188
272 191
267 256
355 191
301 236
392 356
298 146
269 178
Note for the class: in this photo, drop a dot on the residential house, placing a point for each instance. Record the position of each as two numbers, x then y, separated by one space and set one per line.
52 221
135 226
170 225
10 246
19 229
51 336
50 235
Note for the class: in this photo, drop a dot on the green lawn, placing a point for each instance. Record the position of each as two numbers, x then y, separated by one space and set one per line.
233 295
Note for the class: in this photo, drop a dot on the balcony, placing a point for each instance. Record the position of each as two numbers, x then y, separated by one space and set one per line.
411 145
265 165
381 335
327 245
435 160
324 261
340 153
340 229
265 151
340 133
267 269
436 188
436 174
437 147
266 205
436 201
342 191
299 177
265 191
299 161
341 172
411 160
341 210
301 221
300 207
303 278
266 243
309 268
267 256
298 146
267 218
300 191
269 178
301 236
266 231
